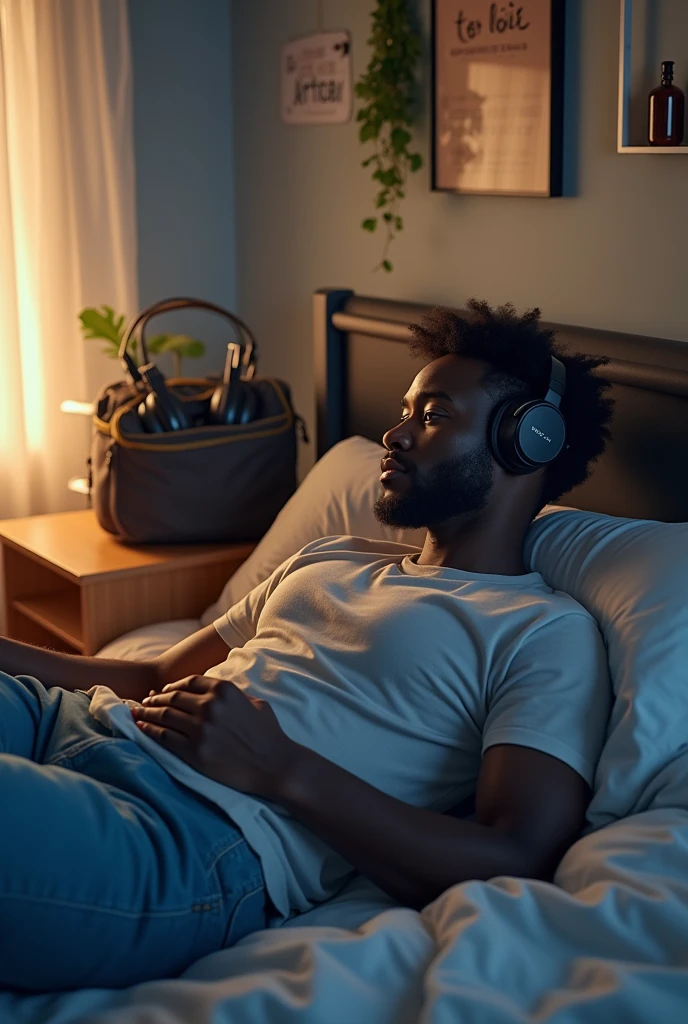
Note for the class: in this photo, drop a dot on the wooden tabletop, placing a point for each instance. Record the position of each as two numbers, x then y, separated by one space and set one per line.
76 545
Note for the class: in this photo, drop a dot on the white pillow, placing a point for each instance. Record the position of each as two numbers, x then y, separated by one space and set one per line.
632 576
147 642
336 498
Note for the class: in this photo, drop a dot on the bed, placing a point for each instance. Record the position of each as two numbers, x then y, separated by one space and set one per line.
608 941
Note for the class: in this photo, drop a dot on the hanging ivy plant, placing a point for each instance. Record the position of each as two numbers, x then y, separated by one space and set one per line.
388 89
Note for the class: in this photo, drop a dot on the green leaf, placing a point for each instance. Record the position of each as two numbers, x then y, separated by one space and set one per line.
400 140
387 216
387 265
95 324
369 224
182 344
416 161
390 177
156 345
398 223
368 131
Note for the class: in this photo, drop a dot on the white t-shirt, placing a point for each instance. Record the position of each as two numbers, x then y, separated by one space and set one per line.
403 674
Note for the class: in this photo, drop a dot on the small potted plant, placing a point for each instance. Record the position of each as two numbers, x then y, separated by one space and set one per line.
103 324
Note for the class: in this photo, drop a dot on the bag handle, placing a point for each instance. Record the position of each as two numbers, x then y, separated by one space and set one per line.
136 328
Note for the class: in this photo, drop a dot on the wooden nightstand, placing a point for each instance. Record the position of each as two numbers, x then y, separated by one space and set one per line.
70 585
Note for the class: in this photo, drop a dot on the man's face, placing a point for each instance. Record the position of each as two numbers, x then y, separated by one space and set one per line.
441 443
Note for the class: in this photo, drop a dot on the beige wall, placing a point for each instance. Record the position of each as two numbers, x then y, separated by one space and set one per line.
612 257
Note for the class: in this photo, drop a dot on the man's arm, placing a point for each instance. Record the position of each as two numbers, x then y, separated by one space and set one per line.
530 806
130 680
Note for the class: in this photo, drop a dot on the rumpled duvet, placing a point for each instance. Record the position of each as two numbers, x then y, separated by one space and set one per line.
606 942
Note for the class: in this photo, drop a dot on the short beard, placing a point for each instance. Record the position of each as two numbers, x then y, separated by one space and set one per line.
453 489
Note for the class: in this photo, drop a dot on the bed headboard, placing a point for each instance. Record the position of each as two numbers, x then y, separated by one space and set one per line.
363 367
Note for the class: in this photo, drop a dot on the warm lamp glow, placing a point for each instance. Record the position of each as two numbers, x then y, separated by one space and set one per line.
82 408
78 484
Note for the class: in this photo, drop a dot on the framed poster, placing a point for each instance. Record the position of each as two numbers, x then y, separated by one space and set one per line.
498 96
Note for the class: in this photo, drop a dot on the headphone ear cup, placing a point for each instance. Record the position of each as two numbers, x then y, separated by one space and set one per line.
169 411
541 434
225 404
147 416
216 409
166 411
249 408
526 436
503 433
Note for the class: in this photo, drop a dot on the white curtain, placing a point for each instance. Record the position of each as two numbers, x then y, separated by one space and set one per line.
67 232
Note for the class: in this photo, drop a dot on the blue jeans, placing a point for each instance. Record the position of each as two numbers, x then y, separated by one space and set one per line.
111 873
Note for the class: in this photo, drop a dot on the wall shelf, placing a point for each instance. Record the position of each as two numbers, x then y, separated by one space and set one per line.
654 150
625 142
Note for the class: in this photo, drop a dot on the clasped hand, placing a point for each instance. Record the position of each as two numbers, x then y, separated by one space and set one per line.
220 731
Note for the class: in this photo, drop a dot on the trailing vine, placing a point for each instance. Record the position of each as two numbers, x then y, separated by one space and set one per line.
388 87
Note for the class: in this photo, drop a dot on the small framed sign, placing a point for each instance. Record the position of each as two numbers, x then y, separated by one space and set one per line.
316 79
498 96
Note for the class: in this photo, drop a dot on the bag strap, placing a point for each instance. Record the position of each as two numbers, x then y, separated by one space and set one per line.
137 326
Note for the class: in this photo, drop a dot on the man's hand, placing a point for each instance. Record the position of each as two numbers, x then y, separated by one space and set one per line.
222 733
530 806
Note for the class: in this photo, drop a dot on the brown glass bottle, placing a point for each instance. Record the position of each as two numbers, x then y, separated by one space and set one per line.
666 110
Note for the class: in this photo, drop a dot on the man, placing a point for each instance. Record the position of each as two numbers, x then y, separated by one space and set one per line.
348 703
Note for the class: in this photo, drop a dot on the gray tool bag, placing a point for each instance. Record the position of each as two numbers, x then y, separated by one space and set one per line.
189 460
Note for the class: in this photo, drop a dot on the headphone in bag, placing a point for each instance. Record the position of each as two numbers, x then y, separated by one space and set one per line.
234 400
524 436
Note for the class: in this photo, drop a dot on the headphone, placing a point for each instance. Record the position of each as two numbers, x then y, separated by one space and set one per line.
234 400
524 436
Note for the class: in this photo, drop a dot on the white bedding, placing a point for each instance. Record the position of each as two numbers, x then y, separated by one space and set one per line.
149 641
607 944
